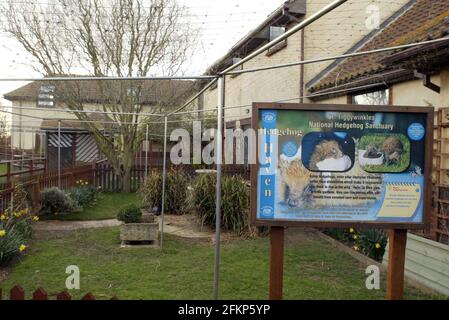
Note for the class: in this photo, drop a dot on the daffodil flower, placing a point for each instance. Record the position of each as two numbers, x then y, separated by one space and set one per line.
378 246
351 230
2 233
22 247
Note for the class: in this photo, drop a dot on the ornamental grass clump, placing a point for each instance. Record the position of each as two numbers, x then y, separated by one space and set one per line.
175 191
15 227
234 203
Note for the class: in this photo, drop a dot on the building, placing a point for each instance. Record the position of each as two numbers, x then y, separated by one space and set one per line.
343 30
38 112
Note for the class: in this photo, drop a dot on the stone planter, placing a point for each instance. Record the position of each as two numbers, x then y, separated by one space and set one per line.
139 233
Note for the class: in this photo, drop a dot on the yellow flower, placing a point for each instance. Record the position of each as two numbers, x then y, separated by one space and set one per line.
378 245
351 230
22 247
2 217
355 237
2 233
35 218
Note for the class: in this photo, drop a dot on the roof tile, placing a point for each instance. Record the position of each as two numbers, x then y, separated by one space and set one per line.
425 20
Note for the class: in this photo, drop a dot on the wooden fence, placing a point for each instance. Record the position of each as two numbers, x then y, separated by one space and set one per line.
105 178
33 184
100 175
18 293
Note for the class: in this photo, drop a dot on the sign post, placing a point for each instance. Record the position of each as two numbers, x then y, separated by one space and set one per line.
396 263
276 262
342 166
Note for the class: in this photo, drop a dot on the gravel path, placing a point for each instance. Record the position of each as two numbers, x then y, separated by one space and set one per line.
43 228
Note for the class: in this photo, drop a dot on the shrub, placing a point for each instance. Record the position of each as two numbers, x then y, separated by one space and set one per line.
234 204
175 190
84 195
53 200
129 214
15 227
370 242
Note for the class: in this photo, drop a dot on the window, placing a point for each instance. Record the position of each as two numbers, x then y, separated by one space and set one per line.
134 92
379 97
276 32
46 97
240 67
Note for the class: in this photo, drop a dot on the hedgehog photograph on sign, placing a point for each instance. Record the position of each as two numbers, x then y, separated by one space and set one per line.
335 165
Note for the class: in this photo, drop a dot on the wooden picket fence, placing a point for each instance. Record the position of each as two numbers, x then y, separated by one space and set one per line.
104 177
33 184
18 293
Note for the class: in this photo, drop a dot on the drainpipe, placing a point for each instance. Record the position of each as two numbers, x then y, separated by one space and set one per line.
301 68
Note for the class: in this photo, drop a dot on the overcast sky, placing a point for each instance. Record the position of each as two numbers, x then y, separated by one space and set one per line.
222 24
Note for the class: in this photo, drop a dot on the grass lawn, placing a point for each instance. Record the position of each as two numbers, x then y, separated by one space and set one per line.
106 207
184 269
3 168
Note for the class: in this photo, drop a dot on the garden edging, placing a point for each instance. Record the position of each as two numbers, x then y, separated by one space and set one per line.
368 261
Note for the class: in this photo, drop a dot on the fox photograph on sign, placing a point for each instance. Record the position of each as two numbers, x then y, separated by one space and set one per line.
341 165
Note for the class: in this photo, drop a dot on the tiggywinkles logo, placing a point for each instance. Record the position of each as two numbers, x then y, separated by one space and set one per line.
268 117
266 211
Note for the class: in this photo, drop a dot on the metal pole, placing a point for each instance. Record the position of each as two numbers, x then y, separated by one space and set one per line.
164 174
203 77
59 153
147 144
218 160
342 56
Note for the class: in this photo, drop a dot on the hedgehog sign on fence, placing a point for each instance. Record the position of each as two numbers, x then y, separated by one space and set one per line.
342 165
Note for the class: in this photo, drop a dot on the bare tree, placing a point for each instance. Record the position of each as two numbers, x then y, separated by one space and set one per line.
123 38
4 130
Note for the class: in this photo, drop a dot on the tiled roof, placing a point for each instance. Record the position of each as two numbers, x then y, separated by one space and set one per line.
424 20
153 92
102 122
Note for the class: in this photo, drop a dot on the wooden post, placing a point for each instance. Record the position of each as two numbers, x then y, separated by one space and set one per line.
396 264
30 166
8 171
276 262
37 193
